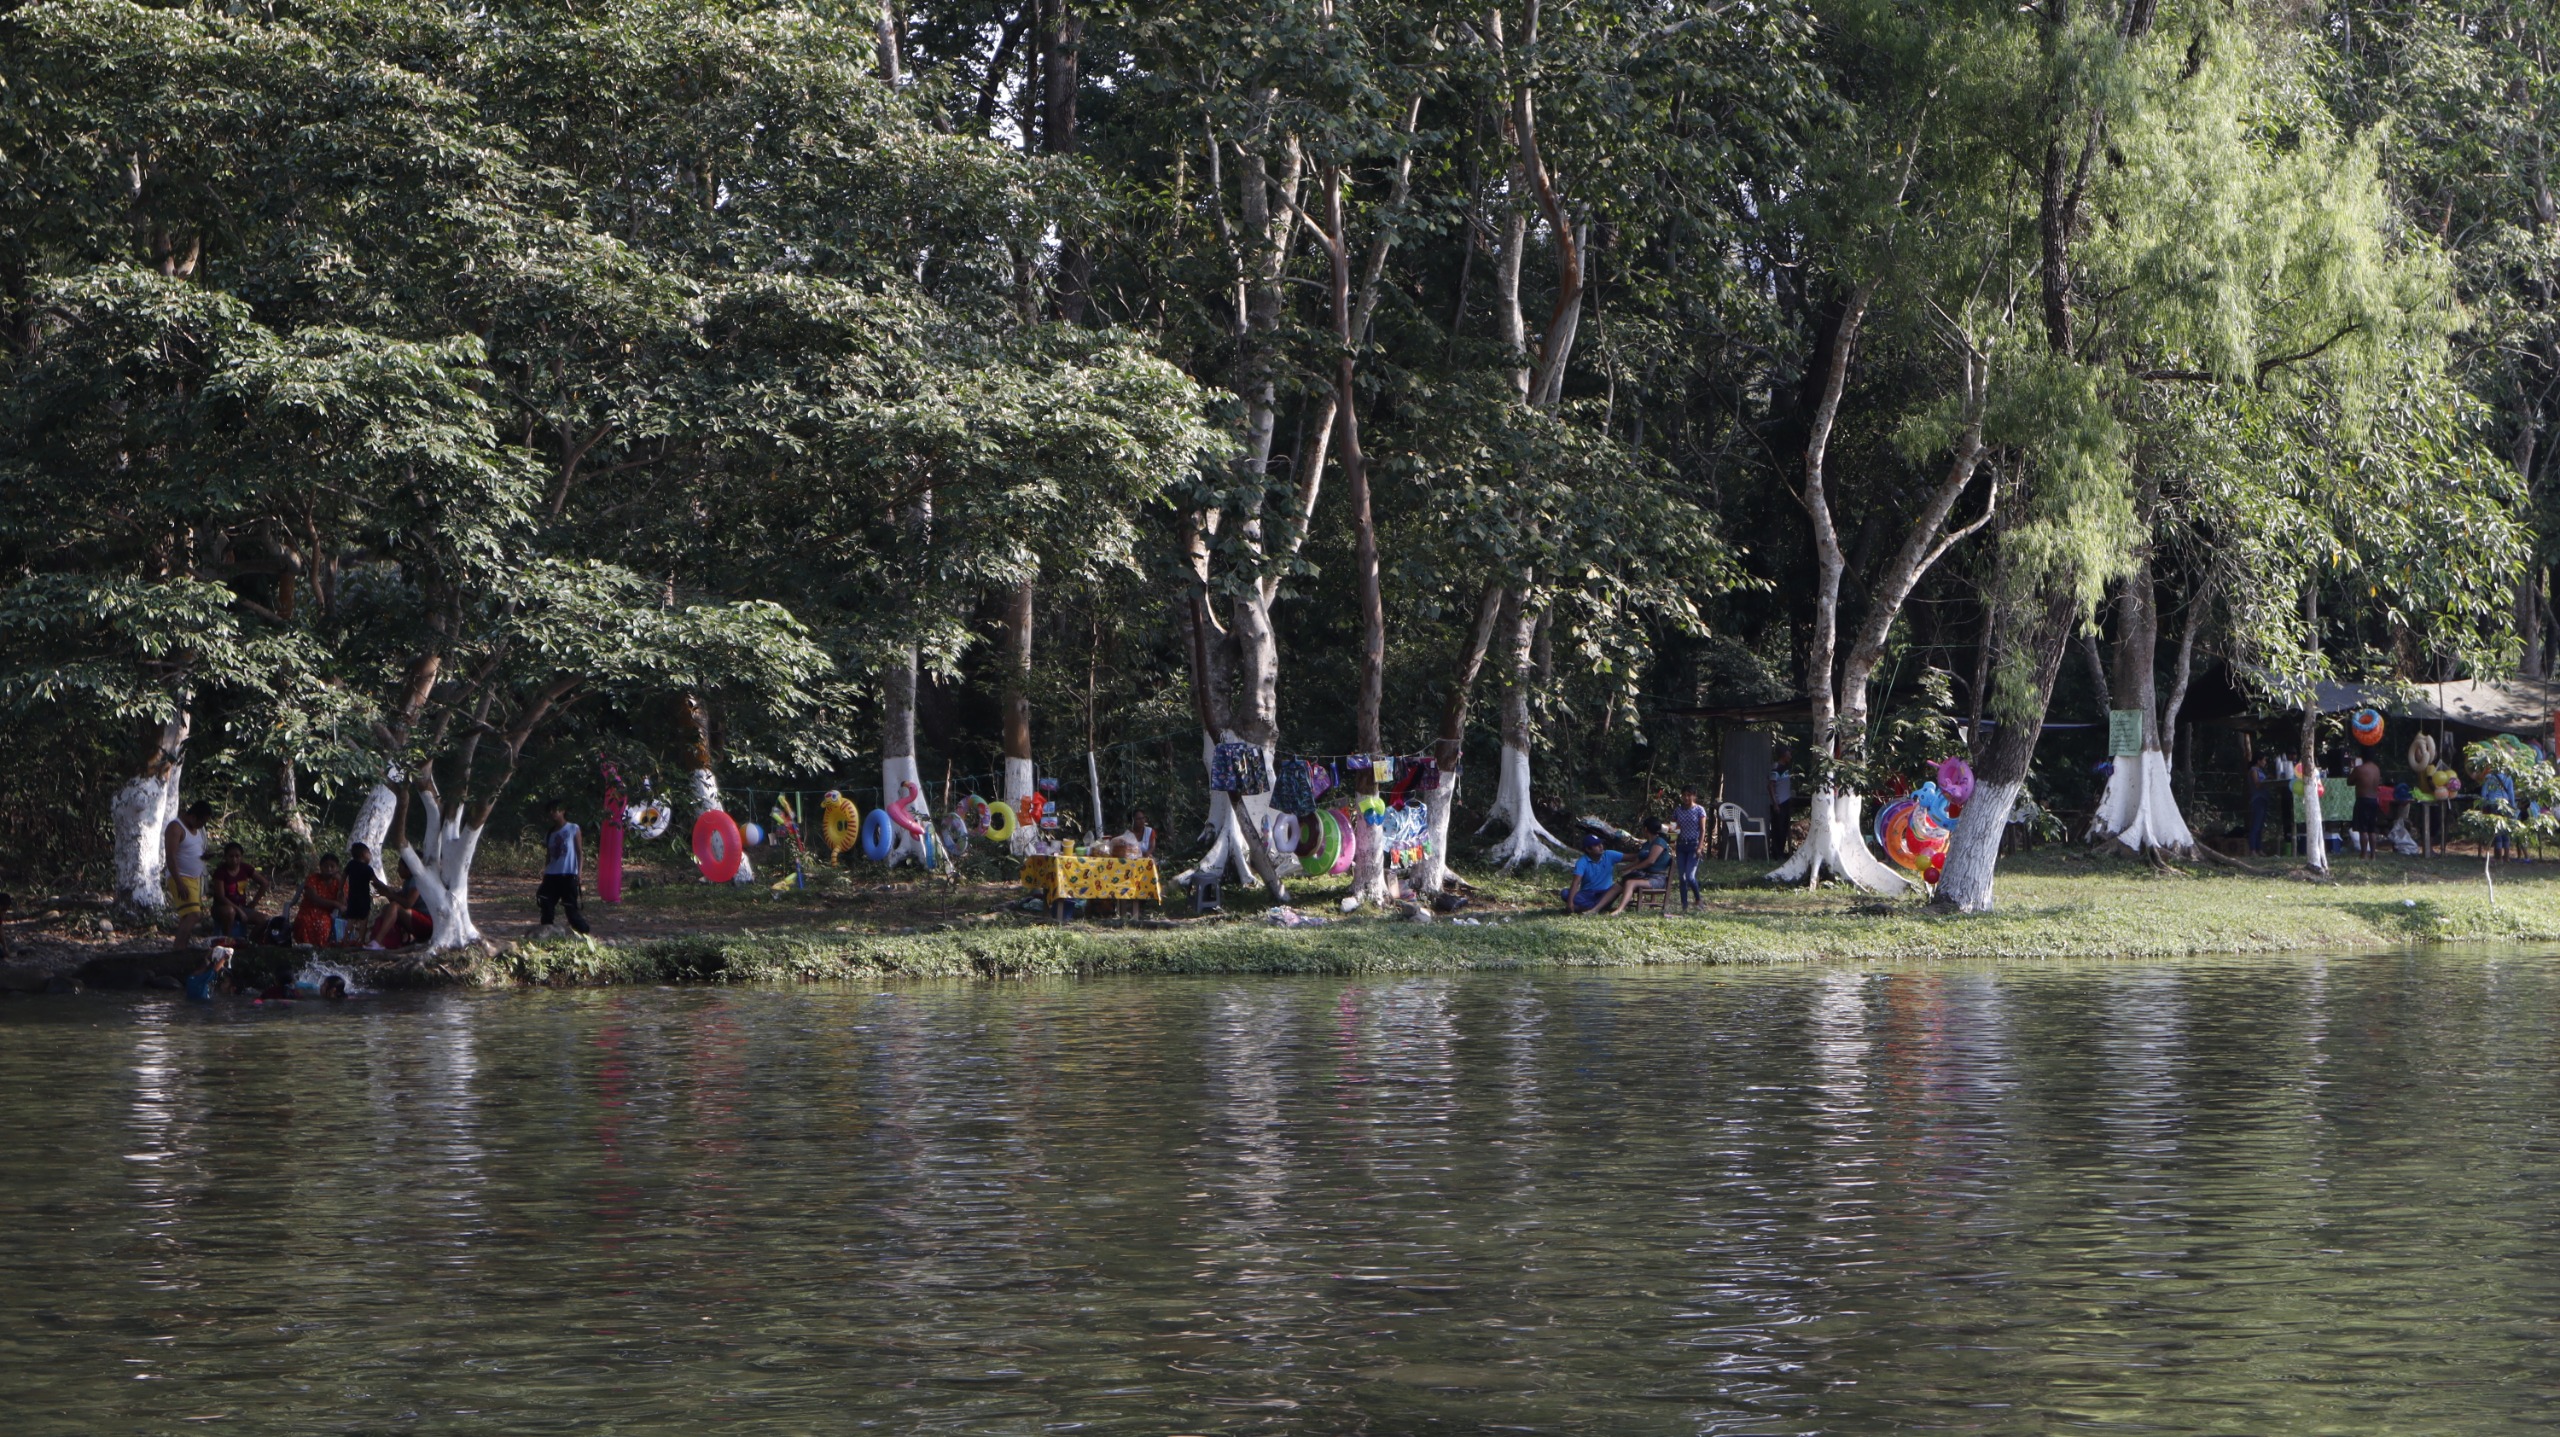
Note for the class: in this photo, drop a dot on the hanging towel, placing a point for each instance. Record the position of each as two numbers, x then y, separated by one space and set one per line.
1238 768
1292 791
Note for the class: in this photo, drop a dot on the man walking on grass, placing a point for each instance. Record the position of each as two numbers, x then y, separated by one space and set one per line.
560 870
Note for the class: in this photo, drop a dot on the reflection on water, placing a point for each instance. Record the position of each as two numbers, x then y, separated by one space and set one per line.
2245 1196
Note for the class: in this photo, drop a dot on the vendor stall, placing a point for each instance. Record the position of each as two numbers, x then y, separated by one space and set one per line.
1064 878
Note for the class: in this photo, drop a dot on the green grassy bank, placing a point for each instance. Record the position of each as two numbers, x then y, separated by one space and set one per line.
2054 904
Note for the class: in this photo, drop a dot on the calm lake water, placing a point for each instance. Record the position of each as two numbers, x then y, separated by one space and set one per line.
2285 1195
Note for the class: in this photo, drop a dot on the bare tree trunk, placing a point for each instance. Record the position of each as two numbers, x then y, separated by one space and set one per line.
1060 68
887 20
296 822
2534 664
1370 884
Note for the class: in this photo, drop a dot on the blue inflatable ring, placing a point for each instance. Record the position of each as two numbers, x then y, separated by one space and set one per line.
878 839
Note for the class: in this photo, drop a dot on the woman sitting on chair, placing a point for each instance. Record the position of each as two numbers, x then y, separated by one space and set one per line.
1649 867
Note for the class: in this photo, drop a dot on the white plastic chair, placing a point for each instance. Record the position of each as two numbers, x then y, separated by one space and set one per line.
1739 826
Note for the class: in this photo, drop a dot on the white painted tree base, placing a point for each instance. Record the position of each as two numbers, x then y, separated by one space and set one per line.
1233 856
2139 809
1018 778
1432 874
372 827
706 797
141 813
1973 856
895 775
1528 844
1835 843
441 867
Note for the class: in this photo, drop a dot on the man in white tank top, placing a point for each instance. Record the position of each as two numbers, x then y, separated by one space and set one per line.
182 867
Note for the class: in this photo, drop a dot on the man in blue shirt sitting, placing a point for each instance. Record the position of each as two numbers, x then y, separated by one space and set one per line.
1593 877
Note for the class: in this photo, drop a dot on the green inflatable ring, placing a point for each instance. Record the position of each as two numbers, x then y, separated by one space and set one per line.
1320 858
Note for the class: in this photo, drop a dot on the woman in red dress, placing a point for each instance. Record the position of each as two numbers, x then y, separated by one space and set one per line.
324 895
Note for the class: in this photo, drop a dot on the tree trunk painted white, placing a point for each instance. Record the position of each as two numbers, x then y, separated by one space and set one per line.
2138 810
1018 773
372 827
441 866
898 763
1239 848
896 772
2315 838
706 797
142 810
1528 843
1835 842
1973 856
1017 787
706 779
1369 869
1432 874
1093 781
2315 833
141 814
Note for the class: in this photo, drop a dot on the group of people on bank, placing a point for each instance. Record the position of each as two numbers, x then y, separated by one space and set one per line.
339 904
1608 880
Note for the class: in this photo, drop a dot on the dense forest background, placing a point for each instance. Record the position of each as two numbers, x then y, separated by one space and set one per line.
405 409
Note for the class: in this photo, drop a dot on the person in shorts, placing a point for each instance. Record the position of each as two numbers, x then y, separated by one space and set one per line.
2367 776
355 924
182 873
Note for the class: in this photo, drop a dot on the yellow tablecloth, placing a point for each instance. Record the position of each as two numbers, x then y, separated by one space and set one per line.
1060 877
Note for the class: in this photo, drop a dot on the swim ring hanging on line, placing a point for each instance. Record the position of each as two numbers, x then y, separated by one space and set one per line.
649 819
902 813
1284 833
1319 855
840 823
1352 837
716 849
878 839
2366 725
1000 821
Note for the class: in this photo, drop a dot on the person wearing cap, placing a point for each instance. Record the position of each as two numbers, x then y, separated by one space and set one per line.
1594 877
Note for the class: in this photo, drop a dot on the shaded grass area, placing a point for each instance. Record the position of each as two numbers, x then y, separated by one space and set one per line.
2054 904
